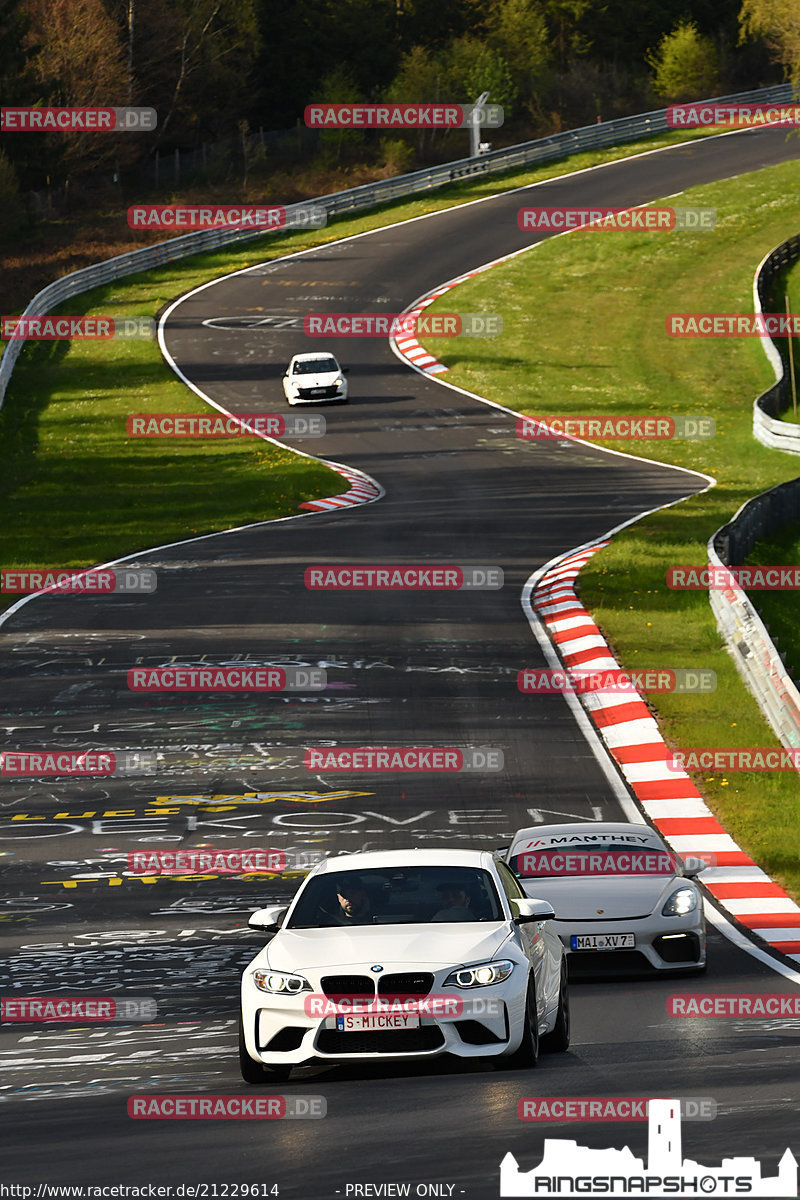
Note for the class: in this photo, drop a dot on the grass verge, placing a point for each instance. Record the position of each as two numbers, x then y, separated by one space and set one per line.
778 610
594 306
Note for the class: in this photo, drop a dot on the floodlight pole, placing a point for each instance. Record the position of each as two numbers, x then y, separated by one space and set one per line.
475 127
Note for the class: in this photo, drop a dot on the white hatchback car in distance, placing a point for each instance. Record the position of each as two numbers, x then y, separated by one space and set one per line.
315 378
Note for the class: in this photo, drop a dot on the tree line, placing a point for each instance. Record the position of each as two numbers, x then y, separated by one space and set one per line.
212 67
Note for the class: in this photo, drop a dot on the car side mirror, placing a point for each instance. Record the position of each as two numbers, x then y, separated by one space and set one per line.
268 920
692 868
345 370
532 910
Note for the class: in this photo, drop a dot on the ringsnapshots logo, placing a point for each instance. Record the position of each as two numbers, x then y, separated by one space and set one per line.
608 1108
76 329
68 582
603 218
628 429
226 216
207 861
722 579
740 759
197 1107
33 119
192 425
403 116
359 325
403 759
733 116
734 325
77 1009
616 680
43 764
227 679
406 578
569 1169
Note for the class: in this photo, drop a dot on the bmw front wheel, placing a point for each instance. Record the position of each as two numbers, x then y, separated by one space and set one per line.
526 1054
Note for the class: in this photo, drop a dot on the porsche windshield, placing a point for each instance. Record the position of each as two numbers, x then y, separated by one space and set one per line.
598 859
397 896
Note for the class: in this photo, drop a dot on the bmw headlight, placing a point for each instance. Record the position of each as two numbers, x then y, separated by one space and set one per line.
680 903
280 983
481 975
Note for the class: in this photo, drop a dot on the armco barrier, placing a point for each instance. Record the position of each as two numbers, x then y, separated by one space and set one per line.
590 137
754 653
767 428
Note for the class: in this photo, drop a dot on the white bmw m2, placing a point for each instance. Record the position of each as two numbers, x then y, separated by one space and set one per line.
404 954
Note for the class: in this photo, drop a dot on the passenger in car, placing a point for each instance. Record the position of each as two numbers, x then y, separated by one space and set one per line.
455 903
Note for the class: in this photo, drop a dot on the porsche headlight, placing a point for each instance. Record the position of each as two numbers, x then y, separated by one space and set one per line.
680 903
280 983
481 975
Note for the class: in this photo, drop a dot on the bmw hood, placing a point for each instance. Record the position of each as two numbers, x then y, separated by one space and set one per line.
581 899
439 946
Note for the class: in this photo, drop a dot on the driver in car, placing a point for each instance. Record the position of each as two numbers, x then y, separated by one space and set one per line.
354 905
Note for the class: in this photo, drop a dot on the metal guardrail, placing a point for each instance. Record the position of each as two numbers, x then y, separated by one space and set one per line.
755 654
768 428
542 150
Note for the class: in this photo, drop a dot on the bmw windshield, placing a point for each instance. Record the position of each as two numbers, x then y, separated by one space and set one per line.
397 896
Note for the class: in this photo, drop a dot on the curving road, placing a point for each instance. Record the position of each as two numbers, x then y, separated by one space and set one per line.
403 669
